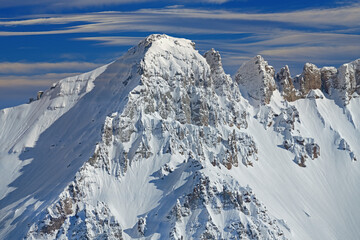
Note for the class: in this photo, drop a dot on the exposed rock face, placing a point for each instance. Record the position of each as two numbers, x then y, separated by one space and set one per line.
286 86
348 80
343 145
309 79
256 78
213 58
226 89
39 94
222 82
340 84
328 74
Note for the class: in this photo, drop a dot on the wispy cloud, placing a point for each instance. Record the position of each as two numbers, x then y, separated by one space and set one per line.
295 36
107 22
67 4
119 41
58 4
163 20
284 38
287 40
39 74
21 68
39 80
345 16
307 53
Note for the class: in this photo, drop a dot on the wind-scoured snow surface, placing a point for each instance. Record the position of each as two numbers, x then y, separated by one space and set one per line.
161 144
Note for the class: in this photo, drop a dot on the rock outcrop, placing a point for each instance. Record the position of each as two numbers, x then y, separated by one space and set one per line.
328 75
222 81
309 79
256 78
257 83
213 58
285 84
347 81
340 84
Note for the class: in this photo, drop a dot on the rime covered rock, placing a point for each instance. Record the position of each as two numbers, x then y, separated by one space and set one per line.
343 145
256 78
197 211
222 82
347 81
213 58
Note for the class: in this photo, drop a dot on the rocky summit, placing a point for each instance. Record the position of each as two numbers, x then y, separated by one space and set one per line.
163 144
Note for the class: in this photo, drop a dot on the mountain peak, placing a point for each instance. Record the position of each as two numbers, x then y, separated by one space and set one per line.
163 39
161 144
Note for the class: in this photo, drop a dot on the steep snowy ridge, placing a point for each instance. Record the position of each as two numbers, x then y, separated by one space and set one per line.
31 173
21 126
161 144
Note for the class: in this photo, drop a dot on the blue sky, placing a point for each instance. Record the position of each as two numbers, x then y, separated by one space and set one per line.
43 41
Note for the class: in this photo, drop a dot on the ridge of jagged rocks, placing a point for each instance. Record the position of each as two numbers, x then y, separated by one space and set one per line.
257 80
328 74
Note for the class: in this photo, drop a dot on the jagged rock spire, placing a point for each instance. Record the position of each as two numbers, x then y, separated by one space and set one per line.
285 84
340 84
348 80
328 74
256 78
222 81
309 79
213 58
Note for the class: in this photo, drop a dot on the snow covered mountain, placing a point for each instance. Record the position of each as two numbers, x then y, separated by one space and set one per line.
162 144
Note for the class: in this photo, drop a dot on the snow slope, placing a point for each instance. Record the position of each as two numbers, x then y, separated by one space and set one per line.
160 144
